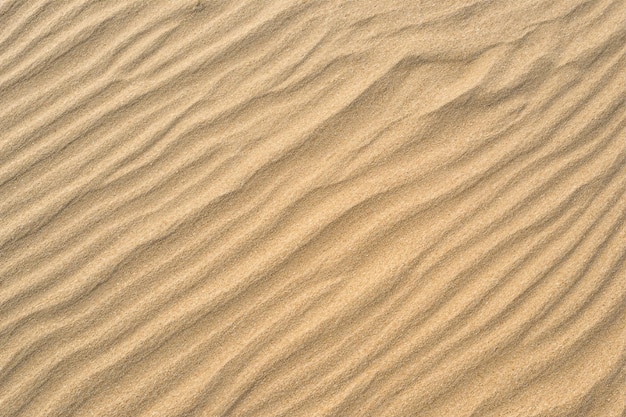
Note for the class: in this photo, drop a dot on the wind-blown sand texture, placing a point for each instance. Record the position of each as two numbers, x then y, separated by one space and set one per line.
313 208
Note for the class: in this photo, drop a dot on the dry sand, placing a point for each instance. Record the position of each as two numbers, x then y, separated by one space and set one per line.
313 208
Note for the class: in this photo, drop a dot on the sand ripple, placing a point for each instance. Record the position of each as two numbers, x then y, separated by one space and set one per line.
313 208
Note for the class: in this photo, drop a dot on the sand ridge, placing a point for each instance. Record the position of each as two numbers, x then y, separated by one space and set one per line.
319 208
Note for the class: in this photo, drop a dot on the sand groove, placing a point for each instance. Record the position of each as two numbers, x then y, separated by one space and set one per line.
321 208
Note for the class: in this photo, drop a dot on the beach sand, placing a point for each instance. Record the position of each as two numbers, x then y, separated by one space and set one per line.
313 208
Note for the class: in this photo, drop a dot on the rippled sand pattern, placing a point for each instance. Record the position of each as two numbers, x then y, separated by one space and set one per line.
313 208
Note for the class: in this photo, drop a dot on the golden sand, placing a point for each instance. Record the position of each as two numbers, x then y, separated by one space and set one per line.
313 208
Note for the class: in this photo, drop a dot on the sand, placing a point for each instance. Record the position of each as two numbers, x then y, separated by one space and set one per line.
313 208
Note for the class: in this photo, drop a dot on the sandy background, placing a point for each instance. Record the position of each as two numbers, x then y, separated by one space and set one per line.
313 208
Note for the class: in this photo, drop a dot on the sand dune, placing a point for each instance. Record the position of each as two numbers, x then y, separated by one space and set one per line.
313 208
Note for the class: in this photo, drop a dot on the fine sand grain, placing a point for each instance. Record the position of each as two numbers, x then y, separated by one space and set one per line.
313 208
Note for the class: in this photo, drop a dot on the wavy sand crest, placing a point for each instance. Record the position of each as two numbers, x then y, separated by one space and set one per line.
313 208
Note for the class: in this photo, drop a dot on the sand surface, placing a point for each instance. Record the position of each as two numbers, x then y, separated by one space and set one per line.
313 208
